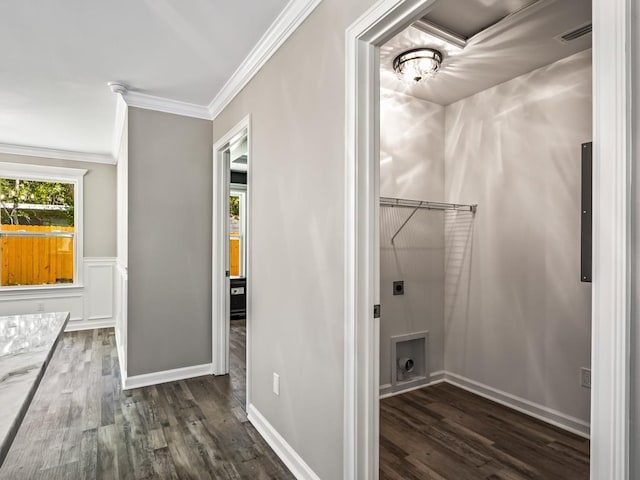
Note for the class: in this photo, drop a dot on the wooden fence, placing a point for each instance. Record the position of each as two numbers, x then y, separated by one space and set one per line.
36 260
234 257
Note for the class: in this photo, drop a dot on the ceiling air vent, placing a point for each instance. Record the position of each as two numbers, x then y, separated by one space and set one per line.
575 34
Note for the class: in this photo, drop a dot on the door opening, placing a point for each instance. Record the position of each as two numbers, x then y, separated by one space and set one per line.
611 230
477 299
231 260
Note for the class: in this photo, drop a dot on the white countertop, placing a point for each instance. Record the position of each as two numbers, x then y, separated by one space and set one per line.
26 345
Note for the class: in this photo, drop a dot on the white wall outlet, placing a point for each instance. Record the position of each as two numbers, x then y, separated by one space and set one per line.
585 377
276 384
40 307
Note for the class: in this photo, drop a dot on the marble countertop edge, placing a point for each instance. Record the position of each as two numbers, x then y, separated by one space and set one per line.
19 380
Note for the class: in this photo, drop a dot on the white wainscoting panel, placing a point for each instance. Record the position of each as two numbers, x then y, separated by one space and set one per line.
45 300
91 306
98 277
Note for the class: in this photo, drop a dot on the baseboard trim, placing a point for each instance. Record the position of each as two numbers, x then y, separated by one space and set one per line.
120 352
387 390
279 445
147 379
77 325
535 410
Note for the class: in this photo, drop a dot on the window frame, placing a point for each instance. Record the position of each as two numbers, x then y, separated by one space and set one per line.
240 190
45 173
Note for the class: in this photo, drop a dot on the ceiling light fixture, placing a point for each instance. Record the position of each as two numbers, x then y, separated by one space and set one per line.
418 63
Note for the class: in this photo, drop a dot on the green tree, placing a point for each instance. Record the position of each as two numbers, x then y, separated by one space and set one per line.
14 192
234 206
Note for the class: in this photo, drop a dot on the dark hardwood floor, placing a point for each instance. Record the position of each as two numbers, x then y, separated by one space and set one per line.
446 433
81 425
238 360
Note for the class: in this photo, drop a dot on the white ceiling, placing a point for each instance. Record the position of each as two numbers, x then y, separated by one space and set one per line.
515 46
58 55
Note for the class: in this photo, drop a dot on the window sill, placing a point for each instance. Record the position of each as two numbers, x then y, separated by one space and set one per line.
39 290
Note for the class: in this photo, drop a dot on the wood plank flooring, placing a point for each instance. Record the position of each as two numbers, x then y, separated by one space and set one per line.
445 433
238 360
81 425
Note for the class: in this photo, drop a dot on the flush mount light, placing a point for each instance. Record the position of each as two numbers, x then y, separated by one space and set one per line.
414 65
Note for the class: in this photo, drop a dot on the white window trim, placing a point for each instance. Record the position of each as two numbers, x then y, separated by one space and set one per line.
47 173
241 191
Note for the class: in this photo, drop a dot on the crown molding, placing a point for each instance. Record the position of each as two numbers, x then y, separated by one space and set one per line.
166 105
280 30
57 154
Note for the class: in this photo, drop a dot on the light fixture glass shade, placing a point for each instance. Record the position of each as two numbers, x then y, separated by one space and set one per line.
414 65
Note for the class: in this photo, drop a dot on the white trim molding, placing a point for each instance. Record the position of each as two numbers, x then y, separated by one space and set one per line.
91 305
362 278
48 173
155 378
77 325
120 307
279 445
612 259
289 19
219 253
519 404
44 152
99 295
280 30
166 105
387 391
522 405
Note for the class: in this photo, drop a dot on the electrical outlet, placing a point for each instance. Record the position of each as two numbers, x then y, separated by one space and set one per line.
276 384
40 307
585 377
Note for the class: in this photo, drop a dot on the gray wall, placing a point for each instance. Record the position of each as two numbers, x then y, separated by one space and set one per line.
411 167
635 307
518 318
297 233
170 188
99 201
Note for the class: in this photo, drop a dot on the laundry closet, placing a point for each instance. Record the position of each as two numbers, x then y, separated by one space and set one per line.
485 131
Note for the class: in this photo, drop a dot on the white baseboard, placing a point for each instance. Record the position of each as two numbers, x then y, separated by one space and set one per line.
279 445
387 390
548 415
75 325
147 379
121 358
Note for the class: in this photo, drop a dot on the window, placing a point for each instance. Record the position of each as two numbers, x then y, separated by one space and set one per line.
237 241
40 230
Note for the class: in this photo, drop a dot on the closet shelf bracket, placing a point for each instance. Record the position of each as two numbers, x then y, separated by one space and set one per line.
418 204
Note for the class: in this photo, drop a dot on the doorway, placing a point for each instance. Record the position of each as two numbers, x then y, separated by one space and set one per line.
485 314
611 253
231 259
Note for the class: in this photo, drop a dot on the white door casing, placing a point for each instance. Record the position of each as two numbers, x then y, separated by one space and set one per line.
220 252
